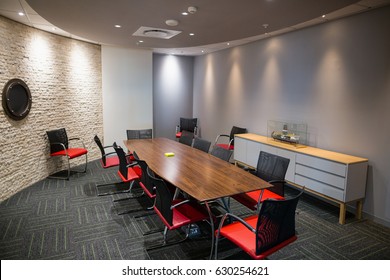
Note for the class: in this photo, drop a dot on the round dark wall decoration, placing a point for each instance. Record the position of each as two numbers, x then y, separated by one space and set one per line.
16 99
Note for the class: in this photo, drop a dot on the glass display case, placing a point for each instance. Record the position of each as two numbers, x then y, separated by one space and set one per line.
287 132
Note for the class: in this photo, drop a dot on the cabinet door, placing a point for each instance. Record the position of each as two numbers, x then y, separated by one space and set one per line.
240 149
252 152
290 174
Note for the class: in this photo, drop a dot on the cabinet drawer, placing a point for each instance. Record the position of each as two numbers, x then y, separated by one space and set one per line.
320 187
322 164
318 175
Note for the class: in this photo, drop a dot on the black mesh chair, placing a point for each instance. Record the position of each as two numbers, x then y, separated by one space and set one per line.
201 144
263 234
145 183
271 168
187 124
186 138
128 172
60 147
230 144
175 213
139 133
109 159
221 153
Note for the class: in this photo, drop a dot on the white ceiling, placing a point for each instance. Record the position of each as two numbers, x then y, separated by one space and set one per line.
218 24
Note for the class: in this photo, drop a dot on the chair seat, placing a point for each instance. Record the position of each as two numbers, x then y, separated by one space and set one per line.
133 173
244 238
185 214
226 146
178 135
110 162
72 152
250 199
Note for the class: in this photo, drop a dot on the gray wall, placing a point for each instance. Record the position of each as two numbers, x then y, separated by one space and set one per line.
127 80
172 92
335 77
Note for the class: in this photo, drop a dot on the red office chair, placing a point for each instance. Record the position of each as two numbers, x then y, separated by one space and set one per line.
230 144
109 159
128 172
263 234
190 125
271 168
175 213
59 146
145 183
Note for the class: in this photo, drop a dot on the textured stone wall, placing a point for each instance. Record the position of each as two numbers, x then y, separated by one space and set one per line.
64 77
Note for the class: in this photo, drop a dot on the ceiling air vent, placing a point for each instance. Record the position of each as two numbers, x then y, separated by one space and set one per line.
152 32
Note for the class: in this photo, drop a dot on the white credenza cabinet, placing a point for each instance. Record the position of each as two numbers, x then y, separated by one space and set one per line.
334 176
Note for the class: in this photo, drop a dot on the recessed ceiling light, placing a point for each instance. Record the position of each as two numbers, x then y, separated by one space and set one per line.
118 26
184 13
140 41
323 16
171 22
228 44
202 51
21 14
192 34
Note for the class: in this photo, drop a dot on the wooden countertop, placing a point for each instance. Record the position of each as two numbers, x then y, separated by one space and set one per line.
307 150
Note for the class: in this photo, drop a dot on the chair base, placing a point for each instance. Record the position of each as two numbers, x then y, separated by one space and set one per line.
64 174
119 187
69 171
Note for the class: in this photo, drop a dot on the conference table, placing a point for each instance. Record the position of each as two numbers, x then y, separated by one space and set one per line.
200 175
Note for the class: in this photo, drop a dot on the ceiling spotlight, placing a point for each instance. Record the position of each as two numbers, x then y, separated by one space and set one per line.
323 16
192 34
117 26
171 22
140 41
192 9
228 44
21 14
184 13
265 25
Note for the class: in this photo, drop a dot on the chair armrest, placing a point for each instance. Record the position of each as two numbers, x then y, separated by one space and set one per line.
235 217
221 135
277 182
77 138
180 203
132 164
60 144
107 154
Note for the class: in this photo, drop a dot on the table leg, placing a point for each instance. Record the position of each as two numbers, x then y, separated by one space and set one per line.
343 210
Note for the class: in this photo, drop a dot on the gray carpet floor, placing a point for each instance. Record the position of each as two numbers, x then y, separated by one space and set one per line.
57 219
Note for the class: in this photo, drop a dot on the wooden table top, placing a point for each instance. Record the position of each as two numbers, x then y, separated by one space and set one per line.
199 174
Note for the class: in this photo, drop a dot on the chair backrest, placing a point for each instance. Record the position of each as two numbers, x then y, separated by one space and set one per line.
145 179
163 200
236 130
122 159
186 137
221 153
139 133
188 124
201 144
57 136
101 148
272 167
276 222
